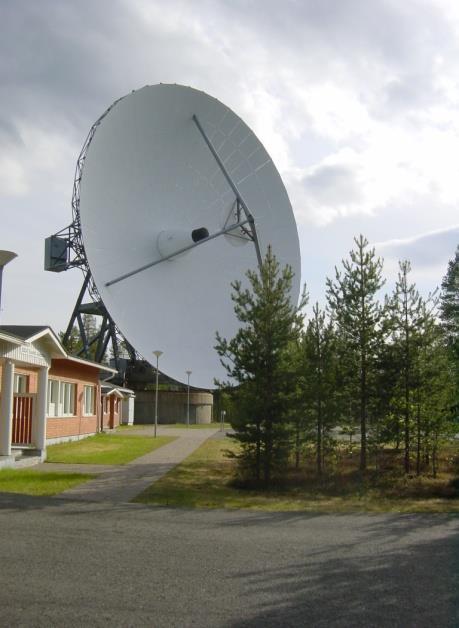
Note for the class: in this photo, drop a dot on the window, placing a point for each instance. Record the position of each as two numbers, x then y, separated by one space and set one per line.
61 398
21 383
88 400
67 398
53 398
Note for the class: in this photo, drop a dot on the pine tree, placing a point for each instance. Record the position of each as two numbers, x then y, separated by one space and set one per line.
423 386
386 405
449 311
319 368
352 301
408 311
449 307
257 360
297 416
433 393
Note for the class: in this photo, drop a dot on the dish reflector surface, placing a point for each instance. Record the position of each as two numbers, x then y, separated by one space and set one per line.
150 183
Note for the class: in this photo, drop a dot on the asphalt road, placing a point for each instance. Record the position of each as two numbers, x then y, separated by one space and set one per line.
66 563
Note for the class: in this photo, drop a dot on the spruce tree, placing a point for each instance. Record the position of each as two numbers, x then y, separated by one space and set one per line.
352 301
257 361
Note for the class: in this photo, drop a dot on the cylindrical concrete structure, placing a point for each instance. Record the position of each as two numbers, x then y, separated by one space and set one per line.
173 406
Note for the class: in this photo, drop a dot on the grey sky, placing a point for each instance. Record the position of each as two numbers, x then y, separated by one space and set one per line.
356 101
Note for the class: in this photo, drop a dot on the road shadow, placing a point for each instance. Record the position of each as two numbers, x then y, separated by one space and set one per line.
403 570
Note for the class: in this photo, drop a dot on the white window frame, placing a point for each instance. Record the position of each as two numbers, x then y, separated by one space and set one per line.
67 398
21 383
89 400
52 399
65 406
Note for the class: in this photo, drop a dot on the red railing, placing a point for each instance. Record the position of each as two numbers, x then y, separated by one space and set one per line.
22 419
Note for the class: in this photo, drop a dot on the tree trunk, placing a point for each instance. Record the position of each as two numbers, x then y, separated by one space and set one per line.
397 435
407 446
258 455
434 458
319 439
426 449
418 440
323 451
363 417
268 453
377 444
297 446
407 390
319 409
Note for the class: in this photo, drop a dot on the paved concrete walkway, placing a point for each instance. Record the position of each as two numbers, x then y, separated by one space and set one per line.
121 483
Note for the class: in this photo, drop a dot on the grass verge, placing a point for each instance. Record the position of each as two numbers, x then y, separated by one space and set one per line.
193 426
105 449
206 480
129 428
31 482
198 426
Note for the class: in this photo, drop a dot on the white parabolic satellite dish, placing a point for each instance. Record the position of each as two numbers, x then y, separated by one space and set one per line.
169 167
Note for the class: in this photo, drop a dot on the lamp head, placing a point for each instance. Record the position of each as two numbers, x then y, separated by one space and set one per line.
6 257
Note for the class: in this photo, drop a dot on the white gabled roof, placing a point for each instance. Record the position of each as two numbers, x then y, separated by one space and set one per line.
109 389
21 334
49 334
112 391
14 340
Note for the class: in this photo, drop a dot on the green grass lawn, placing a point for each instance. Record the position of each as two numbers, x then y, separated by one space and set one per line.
32 482
129 428
105 449
198 426
193 426
205 480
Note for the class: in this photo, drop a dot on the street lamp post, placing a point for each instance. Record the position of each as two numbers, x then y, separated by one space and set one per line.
5 258
157 354
188 401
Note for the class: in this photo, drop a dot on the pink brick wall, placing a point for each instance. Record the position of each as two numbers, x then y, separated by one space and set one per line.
81 375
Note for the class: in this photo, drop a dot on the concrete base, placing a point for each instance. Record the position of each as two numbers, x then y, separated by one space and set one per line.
7 462
19 462
68 439
22 457
27 461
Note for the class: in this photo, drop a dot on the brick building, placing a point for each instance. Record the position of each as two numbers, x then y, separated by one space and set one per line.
47 395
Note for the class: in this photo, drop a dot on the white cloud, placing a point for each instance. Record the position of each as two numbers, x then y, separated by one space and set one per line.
356 102
427 247
12 177
428 253
36 162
